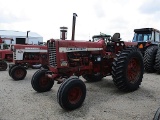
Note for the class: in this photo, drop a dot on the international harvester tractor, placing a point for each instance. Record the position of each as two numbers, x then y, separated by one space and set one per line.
148 40
69 59
25 56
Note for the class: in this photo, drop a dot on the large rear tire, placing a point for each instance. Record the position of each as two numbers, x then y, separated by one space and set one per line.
3 65
157 62
40 82
93 77
128 69
71 93
149 59
18 73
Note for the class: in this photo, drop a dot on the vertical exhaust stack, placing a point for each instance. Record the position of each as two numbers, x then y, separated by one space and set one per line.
73 25
27 39
63 33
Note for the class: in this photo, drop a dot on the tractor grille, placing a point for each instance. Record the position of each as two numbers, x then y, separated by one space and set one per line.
52 54
14 55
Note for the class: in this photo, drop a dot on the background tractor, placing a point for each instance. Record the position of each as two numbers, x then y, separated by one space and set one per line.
148 40
69 59
95 38
25 56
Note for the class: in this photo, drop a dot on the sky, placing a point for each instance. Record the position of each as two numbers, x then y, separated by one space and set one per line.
45 17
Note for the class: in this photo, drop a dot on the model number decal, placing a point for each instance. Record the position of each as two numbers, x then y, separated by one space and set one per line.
31 48
76 49
72 49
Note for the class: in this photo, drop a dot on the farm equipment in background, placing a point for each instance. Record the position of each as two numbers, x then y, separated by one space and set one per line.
148 40
69 59
25 56
106 37
6 54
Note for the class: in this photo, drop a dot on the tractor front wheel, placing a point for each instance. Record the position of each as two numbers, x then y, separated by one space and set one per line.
18 72
3 65
71 93
40 82
127 69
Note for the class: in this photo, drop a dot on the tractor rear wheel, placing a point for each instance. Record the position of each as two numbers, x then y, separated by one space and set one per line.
93 77
149 59
40 82
71 93
157 62
128 69
18 73
3 65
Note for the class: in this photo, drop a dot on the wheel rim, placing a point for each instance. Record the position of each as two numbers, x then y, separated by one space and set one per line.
74 95
2 66
19 73
133 70
43 81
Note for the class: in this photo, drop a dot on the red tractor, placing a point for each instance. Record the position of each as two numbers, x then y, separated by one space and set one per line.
148 40
25 56
69 59
6 54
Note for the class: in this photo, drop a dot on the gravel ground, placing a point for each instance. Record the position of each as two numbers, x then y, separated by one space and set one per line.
18 101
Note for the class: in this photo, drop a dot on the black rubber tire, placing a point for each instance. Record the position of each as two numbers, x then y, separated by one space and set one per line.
10 68
149 59
18 70
64 91
122 66
3 65
92 77
157 62
157 115
37 79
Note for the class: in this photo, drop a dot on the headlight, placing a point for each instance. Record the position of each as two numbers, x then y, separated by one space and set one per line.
99 59
117 44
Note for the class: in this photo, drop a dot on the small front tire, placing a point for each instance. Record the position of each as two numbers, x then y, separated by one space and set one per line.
40 82
71 93
18 73
3 65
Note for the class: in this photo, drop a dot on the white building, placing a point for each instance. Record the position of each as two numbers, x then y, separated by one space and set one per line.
20 37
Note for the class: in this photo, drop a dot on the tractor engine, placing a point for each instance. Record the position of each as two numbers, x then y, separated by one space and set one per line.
68 57
78 58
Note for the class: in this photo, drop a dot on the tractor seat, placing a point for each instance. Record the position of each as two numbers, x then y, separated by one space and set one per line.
116 37
111 43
